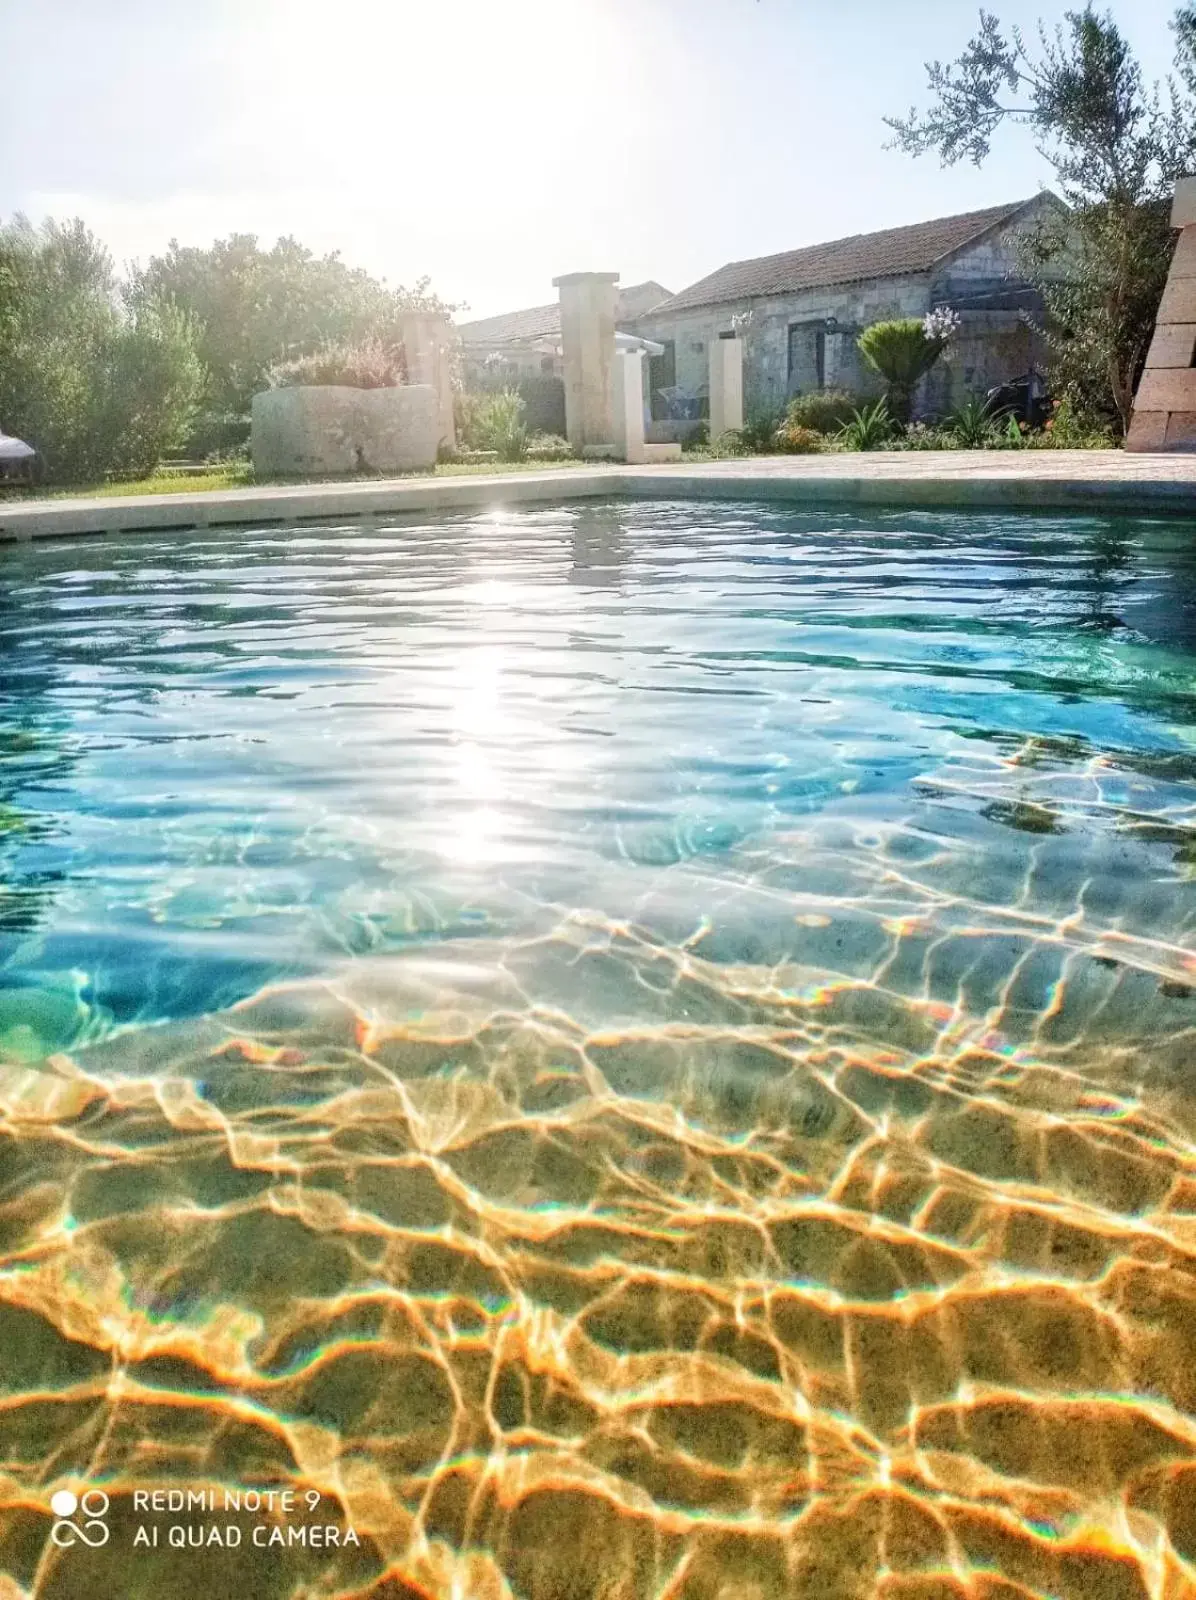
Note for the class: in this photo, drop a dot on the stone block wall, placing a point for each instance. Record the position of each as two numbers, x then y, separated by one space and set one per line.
326 430
995 347
1165 404
767 384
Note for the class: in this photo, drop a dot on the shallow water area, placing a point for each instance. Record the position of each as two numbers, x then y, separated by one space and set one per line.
612 1051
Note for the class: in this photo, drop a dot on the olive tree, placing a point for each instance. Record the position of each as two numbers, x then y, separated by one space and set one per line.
1116 146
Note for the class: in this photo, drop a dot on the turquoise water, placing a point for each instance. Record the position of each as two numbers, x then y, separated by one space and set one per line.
229 758
445 966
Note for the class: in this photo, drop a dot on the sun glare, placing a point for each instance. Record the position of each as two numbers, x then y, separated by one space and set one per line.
409 129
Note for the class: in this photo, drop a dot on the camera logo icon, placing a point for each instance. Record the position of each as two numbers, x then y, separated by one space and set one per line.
89 1529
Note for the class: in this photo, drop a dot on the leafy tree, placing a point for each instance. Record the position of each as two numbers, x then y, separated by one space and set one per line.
1116 147
95 384
254 309
903 352
146 387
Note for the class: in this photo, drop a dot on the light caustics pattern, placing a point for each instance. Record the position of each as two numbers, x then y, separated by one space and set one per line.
639 1052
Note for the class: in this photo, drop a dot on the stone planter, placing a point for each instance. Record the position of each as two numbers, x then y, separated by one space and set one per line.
329 429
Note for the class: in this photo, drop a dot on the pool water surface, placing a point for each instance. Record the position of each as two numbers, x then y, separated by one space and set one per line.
618 1052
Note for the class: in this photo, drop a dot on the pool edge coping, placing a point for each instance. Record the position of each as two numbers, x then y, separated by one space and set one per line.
1121 492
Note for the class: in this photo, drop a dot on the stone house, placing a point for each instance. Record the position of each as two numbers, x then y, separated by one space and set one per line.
809 306
524 344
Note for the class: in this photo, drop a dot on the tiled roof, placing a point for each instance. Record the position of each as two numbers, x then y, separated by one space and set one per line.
891 253
543 322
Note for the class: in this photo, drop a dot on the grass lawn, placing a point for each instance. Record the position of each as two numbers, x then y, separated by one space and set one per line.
240 475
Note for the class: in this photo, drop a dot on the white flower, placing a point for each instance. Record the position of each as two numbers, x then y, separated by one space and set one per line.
941 324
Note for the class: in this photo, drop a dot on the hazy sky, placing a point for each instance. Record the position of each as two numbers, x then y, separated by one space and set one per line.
492 144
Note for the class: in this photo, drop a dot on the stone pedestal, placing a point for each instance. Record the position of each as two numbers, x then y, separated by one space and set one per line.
627 404
428 338
1165 405
588 349
726 385
327 429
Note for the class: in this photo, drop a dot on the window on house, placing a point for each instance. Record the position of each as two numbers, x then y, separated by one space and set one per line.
807 356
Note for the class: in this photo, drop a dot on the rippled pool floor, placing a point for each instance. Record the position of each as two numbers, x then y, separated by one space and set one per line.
616 1052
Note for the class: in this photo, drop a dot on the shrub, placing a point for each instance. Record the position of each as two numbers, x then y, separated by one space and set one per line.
548 447
494 422
758 434
1068 429
902 352
925 436
1013 434
97 382
973 425
369 364
791 440
217 436
823 410
543 395
144 391
869 428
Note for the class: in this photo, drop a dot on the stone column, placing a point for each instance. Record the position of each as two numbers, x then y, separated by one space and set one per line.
628 405
428 343
726 384
1165 406
588 348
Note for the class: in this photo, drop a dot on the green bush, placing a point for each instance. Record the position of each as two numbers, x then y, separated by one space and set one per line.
974 427
373 363
758 434
824 410
542 393
97 382
925 436
1069 429
548 447
790 440
869 429
145 387
494 422
217 436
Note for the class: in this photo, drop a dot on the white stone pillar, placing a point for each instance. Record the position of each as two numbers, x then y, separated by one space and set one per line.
628 405
726 384
428 345
588 351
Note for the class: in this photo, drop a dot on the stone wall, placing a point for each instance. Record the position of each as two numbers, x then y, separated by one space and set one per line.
767 383
325 430
995 346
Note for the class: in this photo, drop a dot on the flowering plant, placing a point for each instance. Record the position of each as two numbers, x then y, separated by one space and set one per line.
941 323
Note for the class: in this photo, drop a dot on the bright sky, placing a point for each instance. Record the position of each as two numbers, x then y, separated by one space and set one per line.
493 144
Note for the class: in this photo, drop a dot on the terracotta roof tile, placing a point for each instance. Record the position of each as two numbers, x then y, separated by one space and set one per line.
542 322
892 252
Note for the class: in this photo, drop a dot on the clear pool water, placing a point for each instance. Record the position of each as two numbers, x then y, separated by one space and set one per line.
622 1050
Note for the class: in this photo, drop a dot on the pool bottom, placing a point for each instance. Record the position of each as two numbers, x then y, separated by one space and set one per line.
790 1284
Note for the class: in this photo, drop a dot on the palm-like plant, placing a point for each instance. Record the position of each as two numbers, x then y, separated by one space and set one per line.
903 352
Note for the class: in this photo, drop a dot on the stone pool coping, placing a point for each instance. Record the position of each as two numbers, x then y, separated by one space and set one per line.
1057 480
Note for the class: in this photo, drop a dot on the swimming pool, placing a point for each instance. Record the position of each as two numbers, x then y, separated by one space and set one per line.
628 1049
